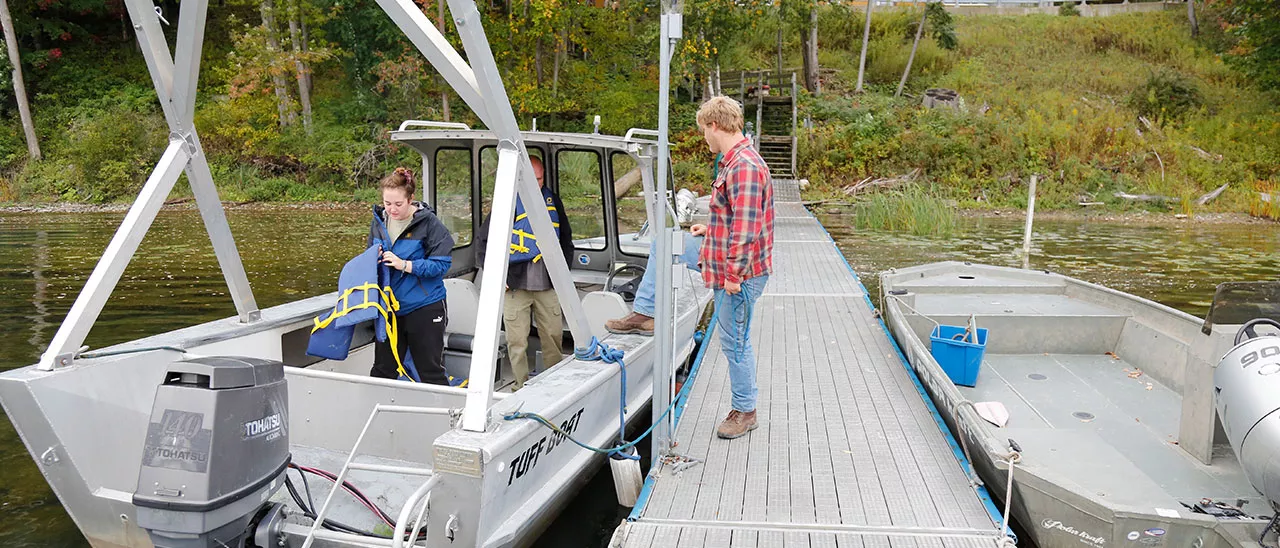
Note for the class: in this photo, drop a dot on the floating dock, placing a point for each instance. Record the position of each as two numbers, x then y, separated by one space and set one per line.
849 451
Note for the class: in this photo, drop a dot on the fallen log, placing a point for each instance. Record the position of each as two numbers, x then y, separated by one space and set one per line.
869 184
1143 197
1212 195
1204 154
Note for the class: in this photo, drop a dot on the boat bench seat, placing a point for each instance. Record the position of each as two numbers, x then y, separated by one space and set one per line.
462 299
1024 323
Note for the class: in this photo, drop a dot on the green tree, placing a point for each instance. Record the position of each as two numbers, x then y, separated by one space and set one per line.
938 19
1257 23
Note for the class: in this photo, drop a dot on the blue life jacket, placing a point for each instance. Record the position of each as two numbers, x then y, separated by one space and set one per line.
364 294
427 243
524 245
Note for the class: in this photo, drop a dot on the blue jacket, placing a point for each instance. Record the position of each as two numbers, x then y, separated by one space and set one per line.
426 242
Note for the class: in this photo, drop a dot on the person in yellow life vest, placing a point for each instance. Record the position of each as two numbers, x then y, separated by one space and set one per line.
529 284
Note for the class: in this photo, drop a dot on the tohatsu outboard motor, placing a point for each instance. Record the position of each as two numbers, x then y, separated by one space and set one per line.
1247 382
217 448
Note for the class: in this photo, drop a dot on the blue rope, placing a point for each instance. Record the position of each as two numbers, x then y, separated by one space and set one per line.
596 350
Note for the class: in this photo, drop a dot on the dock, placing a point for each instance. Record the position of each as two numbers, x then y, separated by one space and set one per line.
849 451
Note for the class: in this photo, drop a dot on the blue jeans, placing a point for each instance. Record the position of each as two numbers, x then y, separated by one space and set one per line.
733 319
648 283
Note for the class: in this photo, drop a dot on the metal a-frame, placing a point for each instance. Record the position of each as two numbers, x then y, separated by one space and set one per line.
478 84
175 78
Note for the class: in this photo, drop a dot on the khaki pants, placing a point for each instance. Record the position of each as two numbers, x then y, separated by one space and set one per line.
515 315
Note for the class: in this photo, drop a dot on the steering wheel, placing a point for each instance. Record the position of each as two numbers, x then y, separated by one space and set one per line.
1247 328
608 284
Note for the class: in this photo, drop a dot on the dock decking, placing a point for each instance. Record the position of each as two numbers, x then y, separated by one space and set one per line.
847 454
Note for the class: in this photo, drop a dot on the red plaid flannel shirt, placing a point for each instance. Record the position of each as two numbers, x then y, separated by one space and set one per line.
739 242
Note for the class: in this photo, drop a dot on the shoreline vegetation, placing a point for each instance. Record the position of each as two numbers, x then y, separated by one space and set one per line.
1103 110
821 207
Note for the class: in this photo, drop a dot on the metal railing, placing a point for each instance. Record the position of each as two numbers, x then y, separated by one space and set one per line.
350 464
432 124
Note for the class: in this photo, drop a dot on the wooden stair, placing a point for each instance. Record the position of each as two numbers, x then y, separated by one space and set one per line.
771 115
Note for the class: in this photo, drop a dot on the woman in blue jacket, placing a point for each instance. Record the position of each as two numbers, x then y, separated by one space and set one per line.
417 247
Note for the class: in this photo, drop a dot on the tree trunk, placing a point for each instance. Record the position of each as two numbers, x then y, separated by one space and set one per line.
537 61
306 40
919 31
866 36
444 91
284 101
1191 16
811 52
300 67
19 88
780 40
804 58
561 46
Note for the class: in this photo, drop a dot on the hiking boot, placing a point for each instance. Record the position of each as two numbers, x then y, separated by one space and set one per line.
633 323
737 424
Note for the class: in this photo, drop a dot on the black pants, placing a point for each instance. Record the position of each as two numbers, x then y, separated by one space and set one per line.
422 333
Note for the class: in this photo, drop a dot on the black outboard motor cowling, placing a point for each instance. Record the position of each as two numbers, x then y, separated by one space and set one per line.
217 448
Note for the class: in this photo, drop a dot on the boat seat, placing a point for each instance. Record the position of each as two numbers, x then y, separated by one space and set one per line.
602 306
1024 323
462 298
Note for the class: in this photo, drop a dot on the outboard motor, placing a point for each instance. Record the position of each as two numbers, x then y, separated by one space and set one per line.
1247 382
217 448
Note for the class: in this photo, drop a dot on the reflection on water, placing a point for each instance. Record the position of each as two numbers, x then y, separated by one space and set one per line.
174 282
1178 266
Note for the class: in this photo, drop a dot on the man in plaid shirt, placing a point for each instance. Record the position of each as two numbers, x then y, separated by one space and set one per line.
736 256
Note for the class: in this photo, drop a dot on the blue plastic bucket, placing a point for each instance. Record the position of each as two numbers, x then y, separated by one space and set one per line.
959 359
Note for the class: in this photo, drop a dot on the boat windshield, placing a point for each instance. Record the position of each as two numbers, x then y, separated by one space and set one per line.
1236 303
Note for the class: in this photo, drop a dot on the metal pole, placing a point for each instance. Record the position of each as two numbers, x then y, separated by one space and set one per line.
489 319
663 310
1026 235
175 84
66 342
515 175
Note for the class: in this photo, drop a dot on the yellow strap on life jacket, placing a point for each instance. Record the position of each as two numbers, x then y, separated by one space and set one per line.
520 246
388 313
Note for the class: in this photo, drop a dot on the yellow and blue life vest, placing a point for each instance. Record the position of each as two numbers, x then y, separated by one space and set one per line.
524 245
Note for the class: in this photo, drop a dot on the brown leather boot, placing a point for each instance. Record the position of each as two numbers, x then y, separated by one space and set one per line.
633 323
737 424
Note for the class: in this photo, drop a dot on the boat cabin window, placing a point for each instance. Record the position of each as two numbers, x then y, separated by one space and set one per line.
489 175
578 176
628 187
452 173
